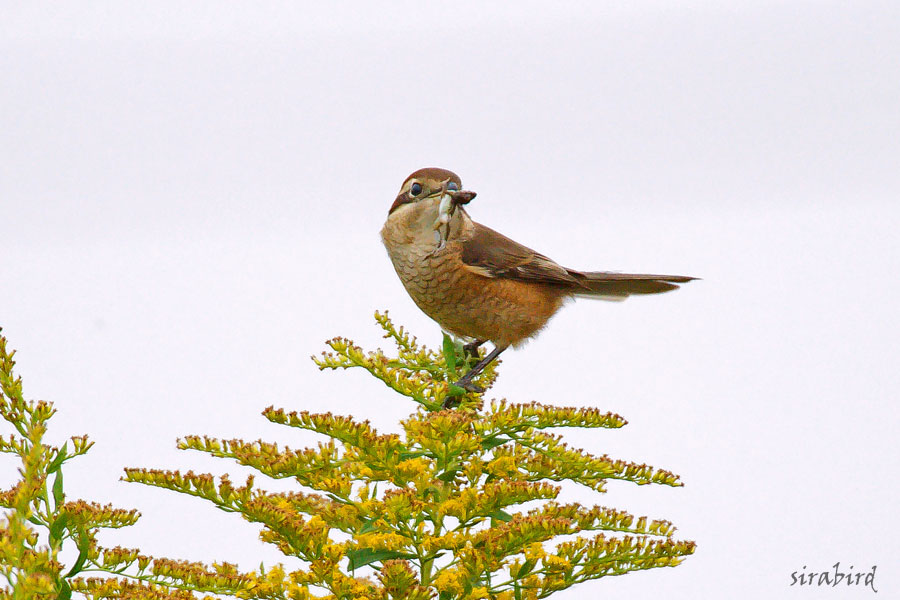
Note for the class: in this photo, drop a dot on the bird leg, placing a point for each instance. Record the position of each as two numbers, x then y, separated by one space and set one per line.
470 350
465 382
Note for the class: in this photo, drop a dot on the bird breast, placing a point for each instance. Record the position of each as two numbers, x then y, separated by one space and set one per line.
415 248
461 300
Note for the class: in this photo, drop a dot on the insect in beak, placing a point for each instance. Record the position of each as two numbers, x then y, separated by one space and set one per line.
450 199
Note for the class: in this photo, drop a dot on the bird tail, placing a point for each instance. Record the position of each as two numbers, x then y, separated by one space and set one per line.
618 286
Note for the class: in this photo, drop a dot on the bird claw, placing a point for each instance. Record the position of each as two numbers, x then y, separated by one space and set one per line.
468 386
453 401
470 350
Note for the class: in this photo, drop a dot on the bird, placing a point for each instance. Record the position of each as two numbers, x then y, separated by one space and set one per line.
478 284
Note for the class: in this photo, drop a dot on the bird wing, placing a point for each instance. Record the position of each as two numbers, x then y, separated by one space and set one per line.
492 254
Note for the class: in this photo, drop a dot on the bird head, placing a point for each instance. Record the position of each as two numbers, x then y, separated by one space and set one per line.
431 183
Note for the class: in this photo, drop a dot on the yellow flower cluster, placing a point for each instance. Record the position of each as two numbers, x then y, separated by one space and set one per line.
29 560
437 511
433 511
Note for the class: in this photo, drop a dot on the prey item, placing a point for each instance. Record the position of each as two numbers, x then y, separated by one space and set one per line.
449 202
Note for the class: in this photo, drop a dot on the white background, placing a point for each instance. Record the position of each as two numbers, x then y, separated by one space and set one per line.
190 200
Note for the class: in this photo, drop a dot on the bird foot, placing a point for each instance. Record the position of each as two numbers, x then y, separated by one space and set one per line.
470 350
453 401
468 386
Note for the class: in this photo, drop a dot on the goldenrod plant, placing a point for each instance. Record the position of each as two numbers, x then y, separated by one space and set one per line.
38 521
39 525
459 504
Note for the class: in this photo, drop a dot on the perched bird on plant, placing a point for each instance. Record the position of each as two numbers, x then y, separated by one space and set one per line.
481 285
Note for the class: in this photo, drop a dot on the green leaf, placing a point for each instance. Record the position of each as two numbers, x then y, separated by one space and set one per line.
84 546
58 495
500 515
449 352
57 461
366 556
450 474
492 442
526 568
368 527
65 590
455 390
57 526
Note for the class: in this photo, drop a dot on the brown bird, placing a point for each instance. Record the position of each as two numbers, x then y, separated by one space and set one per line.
481 285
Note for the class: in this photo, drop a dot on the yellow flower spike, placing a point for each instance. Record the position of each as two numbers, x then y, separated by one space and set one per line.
535 551
479 593
459 497
448 581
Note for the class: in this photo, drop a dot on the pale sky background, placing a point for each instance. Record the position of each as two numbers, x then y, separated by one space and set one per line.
190 200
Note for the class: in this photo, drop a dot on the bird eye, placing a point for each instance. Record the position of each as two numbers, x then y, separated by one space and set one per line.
452 186
415 189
